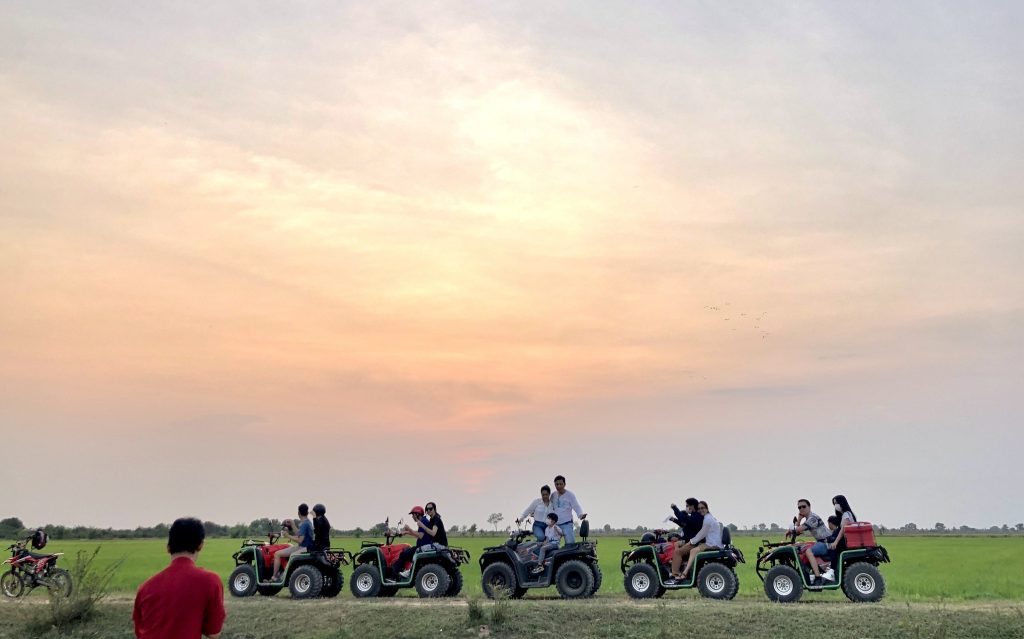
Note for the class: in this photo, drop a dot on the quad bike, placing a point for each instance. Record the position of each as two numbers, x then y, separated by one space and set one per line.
30 570
307 575
785 572
434 570
572 569
648 565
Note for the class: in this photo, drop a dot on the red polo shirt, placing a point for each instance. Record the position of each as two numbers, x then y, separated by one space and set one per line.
182 601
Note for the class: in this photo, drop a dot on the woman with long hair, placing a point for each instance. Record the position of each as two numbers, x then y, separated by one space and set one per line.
846 515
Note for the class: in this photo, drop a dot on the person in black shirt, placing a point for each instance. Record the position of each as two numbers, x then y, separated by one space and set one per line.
434 526
321 529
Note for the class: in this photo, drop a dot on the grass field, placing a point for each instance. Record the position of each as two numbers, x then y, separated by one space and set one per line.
923 569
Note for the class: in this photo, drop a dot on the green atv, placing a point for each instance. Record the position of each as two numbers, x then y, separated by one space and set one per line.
307 575
434 571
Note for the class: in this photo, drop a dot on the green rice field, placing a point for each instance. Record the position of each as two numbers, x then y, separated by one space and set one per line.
923 569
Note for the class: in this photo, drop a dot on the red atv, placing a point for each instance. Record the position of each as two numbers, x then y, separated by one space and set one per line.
30 570
434 570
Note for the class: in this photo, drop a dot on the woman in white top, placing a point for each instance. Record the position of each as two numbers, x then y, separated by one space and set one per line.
538 509
842 507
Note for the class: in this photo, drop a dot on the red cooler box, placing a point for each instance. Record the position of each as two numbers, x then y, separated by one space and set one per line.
859 534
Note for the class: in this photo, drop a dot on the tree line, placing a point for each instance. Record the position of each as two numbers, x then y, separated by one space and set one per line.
15 528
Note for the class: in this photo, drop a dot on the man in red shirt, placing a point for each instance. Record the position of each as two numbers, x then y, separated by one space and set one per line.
181 601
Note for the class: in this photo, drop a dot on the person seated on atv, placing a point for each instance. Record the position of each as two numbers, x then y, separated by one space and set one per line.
424 537
321 529
434 525
688 519
564 503
845 513
539 509
708 538
304 537
552 535
807 521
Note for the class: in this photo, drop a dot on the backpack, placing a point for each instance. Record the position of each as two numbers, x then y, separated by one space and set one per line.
39 539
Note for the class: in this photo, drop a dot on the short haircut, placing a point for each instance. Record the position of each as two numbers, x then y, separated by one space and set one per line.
803 501
303 510
553 517
186 535
692 501
703 503
835 520
560 478
545 488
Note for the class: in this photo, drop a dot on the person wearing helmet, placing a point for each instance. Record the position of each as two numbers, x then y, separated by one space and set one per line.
423 538
321 529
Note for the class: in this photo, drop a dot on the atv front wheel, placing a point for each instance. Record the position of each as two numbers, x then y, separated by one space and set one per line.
574 579
783 584
641 581
242 582
365 581
598 578
333 585
306 582
717 581
498 576
862 582
432 581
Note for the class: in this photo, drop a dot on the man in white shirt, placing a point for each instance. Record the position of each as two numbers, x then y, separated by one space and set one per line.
563 504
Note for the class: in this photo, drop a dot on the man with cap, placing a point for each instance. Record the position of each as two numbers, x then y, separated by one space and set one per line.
422 539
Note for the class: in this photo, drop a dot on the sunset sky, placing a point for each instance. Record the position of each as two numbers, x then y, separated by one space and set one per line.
379 253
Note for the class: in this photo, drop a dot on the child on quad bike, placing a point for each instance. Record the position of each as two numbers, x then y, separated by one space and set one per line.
552 535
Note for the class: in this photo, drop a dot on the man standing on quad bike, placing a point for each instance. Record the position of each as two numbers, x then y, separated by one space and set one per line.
182 601
304 537
564 503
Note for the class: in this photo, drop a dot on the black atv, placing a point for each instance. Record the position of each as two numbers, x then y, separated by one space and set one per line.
307 575
785 573
648 564
435 569
572 569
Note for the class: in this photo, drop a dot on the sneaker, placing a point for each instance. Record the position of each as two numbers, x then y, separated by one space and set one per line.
830 575
539 568
670 582
405 573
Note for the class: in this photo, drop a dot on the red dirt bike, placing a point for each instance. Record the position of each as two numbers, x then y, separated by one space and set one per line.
30 570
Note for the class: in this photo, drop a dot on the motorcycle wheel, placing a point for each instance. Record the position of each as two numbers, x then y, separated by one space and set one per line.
58 581
12 585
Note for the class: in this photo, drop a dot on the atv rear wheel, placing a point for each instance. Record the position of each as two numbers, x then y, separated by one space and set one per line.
498 576
306 582
783 584
598 577
574 579
432 581
333 585
717 581
242 582
641 581
366 581
456 583
862 582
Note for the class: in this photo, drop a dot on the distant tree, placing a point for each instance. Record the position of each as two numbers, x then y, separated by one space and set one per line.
762 526
639 529
495 519
471 530
733 527
965 528
911 527
11 527
378 530
358 532
454 529
1019 527
939 526
1006 528
608 528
